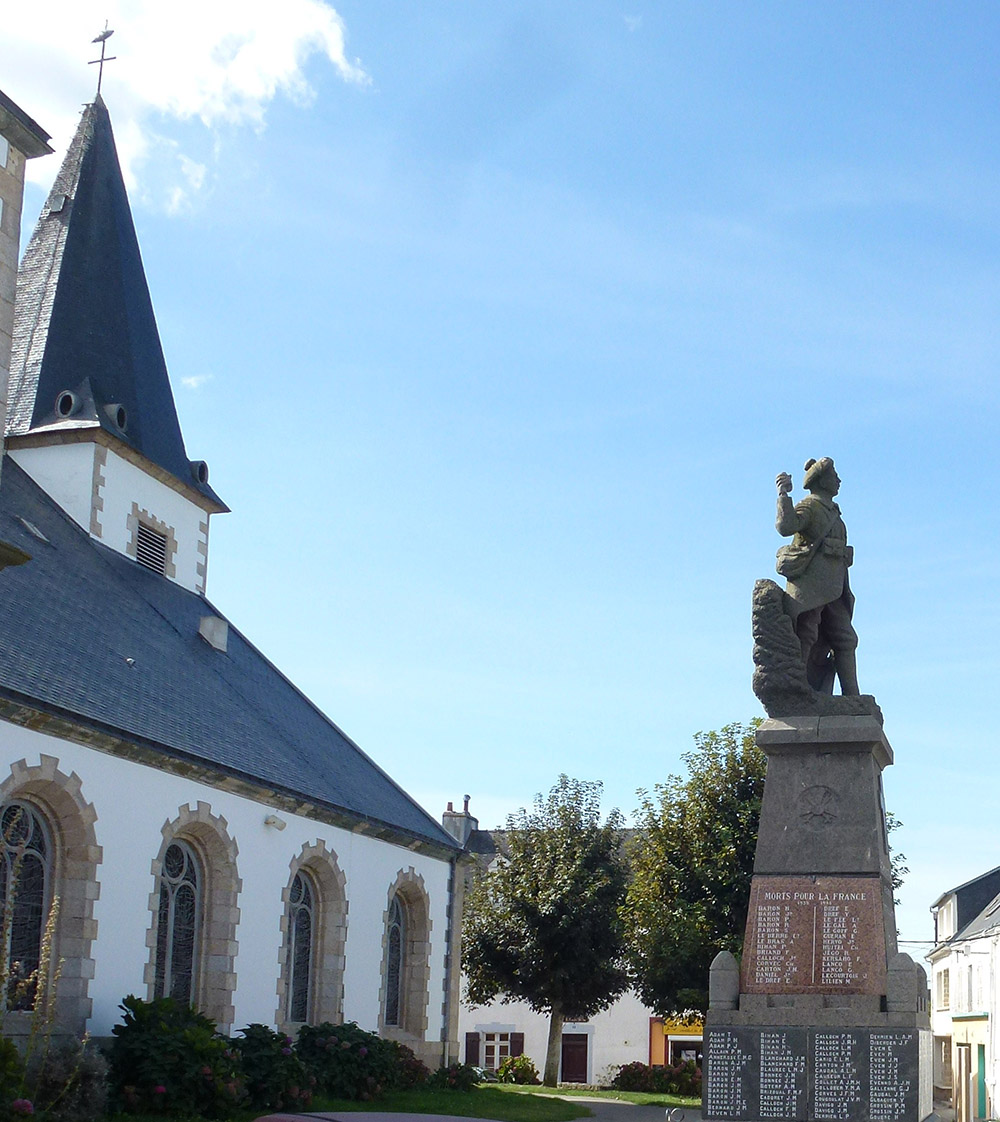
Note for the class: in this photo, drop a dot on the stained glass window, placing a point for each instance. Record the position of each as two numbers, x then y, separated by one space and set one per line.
394 964
178 918
25 869
301 932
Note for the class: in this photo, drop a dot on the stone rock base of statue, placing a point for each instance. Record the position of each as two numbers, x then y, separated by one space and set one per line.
823 1019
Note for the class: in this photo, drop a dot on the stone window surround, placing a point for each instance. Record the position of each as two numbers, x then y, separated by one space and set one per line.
97 485
326 986
411 892
70 819
132 523
215 972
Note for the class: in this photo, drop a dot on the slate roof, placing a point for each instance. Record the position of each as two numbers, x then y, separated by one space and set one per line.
71 618
83 317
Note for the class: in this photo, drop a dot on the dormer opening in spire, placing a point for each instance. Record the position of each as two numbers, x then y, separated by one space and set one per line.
91 416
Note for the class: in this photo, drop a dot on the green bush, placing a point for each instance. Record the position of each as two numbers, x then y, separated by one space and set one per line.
457 1077
409 1071
69 1083
518 1069
274 1076
167 1058
11 1075
347 1062
680 1079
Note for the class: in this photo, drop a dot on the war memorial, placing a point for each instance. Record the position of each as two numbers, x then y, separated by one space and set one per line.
823 1018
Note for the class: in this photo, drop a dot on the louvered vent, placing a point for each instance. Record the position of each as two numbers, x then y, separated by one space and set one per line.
151 549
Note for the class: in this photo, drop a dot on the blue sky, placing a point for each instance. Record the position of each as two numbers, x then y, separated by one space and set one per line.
496 322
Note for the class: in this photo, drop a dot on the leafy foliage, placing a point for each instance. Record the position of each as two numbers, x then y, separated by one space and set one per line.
456 1077
544 926
275 1077
68 1082
349 1063
11 1072
168 1058
518 1069
681 1079
692 862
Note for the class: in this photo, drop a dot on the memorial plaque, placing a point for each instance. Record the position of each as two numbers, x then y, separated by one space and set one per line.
731 1057
838 1075
814 935
785 1074
894 1071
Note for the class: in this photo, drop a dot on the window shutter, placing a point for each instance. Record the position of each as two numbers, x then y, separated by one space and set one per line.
517 1043
472 1048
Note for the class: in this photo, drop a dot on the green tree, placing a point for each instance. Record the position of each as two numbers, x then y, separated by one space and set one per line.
544 925
691 863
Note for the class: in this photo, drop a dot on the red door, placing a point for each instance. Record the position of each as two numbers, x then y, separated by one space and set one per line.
574 1057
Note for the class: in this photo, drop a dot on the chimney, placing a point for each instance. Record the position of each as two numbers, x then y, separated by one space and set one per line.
460 823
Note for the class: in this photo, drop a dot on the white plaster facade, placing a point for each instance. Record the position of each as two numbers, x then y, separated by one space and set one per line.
965 1002
619 1035
133 802
104 493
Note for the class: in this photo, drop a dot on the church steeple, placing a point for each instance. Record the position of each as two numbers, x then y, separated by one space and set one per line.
91 415
86 351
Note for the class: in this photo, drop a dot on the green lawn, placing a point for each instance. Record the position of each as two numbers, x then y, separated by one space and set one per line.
505 1102
483 1102
644 1098
491 1101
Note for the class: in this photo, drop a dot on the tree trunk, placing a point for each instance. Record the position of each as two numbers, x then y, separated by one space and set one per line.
553 1053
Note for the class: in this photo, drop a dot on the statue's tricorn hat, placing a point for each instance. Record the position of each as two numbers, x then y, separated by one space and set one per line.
815 469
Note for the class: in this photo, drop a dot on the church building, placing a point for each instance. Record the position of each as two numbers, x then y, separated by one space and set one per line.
203 830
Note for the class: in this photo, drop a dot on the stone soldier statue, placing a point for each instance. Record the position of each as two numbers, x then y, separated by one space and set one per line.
817 594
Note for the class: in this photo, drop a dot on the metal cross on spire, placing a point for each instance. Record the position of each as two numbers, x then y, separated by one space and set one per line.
104 36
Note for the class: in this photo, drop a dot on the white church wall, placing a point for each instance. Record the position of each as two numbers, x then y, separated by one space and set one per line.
127 487
64 471
133 801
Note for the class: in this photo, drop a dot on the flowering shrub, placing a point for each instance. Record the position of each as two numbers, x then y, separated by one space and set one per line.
409 1071
275 1077
457 1077
166 1058
681 1079
348 1062
518 1069
68 1083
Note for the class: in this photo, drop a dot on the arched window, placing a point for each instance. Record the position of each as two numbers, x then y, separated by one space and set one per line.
406 951
25 877
177 924
394 963
311 960
301 938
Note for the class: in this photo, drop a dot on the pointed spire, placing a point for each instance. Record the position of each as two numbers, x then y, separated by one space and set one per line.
86 350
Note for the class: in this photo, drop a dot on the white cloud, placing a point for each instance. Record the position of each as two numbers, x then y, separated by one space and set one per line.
633 23
196 381
218 62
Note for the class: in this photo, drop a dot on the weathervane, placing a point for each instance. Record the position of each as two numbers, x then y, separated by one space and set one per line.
104 36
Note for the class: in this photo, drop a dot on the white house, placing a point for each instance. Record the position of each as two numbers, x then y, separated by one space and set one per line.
207 832
965 996
626 1032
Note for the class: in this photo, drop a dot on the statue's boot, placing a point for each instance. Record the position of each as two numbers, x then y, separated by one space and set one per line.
847 672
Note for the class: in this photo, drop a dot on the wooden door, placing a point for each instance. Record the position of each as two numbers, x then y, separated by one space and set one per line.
574 1057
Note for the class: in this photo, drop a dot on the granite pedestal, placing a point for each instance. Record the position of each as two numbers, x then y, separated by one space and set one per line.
824 1019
